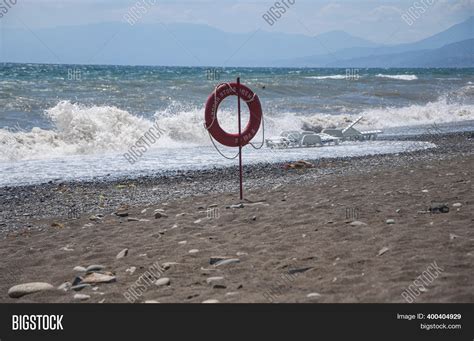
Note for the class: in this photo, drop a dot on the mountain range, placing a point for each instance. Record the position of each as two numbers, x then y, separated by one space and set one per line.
201 45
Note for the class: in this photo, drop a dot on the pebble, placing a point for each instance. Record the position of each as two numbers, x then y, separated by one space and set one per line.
143 211
390 221
168 265
193 251
28 288
131 270
313 295
227 261
458 204
81 297
94 218
94 268
232 293
214 259
357 223
237 206
212 280
159 215
182 242
79 269
210 301
197 221
151 302
96 277
121 214
162 281
65 286
79 287
133 219
122 254
383 250
67 248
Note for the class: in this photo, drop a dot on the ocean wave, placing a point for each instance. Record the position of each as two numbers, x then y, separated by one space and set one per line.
85 130
327 77
399 77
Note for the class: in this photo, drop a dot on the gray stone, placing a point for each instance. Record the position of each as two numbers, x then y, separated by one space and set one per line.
122 254
132 219
79 269
162 281
96 277
65 286
20 290
390 221
159 215
94 268
212 301
212 280
79 287
227 261
81 297
357 223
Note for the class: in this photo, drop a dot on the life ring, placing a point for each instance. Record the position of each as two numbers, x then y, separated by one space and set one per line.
212 124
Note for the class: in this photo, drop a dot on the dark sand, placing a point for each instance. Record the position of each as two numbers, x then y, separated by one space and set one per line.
299 227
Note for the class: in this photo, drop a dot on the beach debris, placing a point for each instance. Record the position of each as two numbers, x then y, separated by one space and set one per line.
211 301
97 277
357 223
439 208
239 254
65 286
122 254
131 270
313 295
213 280
298 270
457 205
162 281
57 225
301 164
390 221
81 297
131 219
193 251
227 262
20 290
143 220
382 251
95 268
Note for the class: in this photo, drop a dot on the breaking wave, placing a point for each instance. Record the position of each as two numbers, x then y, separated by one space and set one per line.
399 77
81 130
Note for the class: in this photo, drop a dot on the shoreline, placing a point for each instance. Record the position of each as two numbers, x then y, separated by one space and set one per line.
62 200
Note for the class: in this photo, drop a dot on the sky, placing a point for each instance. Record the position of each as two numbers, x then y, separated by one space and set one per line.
376 20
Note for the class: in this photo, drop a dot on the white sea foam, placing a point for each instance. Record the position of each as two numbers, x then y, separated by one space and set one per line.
327 77
86 130
399 77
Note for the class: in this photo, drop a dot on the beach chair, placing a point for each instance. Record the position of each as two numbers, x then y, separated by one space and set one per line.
311 140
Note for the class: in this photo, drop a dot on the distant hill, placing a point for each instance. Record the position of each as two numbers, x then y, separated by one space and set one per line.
460 54
367 56
202 45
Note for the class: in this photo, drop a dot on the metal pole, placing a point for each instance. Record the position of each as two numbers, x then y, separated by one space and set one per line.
240 143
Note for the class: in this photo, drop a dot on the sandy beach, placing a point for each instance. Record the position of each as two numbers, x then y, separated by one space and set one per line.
345 230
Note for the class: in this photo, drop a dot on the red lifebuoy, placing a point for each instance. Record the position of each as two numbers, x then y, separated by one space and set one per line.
212 124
